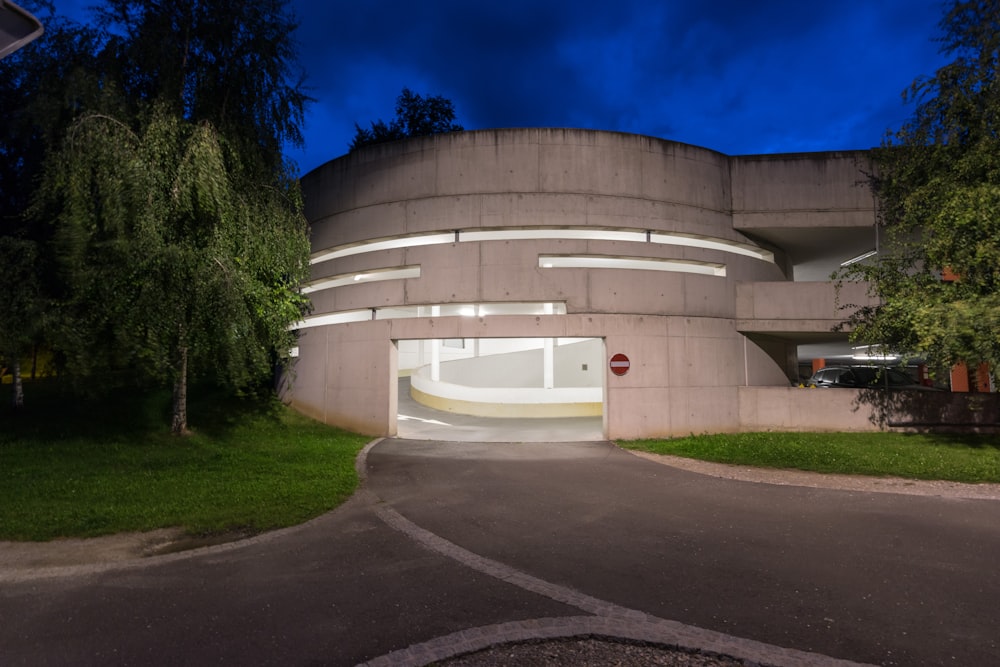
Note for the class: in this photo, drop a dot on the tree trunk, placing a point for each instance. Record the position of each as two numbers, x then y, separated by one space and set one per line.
178 425
18 387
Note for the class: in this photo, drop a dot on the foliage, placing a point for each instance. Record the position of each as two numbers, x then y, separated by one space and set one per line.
416 116
168 260
166 221
937 183
20 301
79 468
42 86
231 63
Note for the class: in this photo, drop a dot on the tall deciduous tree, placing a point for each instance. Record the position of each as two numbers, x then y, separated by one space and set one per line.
229 62
42 87
179 222
20 305
937 184
175 269
416 116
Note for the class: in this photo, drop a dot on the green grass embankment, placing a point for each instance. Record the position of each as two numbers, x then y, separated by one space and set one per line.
78 468
952 457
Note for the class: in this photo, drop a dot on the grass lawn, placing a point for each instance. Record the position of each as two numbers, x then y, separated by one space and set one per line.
959 458
72 468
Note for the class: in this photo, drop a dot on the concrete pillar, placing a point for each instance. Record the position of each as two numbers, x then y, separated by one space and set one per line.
548 357
548 361
435 350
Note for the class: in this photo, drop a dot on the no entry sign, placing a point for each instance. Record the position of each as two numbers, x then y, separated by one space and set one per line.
620 364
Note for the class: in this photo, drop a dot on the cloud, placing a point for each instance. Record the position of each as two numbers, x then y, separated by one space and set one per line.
734 76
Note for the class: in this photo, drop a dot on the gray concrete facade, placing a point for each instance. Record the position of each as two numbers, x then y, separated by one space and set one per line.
702 268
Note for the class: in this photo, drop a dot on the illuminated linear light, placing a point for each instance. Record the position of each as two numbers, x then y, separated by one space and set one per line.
873 353
471 310
389 243
546 233
342 317
443 310
372 276
543 233
631 263
709 243
859 258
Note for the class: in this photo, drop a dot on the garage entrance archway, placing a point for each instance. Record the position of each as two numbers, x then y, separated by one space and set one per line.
501 389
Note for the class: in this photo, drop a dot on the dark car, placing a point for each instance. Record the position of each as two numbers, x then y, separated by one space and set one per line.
864 377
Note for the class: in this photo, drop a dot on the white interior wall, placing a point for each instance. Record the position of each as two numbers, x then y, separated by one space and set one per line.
574 365
415 353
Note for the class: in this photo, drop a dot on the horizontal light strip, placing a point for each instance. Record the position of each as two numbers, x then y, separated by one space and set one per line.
859 258
543 233
436 310
389 243
532 233
373 276
709 243
637 263
342 317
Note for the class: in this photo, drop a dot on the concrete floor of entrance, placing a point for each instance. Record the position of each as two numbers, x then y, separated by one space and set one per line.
418 422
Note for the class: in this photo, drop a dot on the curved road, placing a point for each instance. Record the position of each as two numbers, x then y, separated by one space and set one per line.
451 546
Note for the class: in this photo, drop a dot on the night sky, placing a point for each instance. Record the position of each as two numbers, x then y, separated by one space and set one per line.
735 76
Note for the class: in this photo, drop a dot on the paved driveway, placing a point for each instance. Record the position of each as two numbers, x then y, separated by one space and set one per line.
454 545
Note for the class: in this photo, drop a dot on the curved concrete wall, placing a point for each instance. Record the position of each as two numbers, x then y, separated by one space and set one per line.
598 198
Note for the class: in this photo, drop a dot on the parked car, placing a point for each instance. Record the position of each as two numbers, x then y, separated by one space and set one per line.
865 377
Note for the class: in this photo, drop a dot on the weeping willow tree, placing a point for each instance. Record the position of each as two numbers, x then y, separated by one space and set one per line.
176 265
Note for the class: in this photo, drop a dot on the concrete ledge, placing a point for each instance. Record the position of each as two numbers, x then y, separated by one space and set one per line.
805 409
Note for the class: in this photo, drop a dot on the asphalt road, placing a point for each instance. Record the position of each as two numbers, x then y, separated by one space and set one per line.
450 537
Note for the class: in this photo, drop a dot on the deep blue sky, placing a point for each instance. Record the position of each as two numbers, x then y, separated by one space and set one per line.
735 76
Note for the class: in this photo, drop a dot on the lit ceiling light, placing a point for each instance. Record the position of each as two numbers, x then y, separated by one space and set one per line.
873 353
860 258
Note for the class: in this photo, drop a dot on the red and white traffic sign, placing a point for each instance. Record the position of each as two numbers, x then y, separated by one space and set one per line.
620 364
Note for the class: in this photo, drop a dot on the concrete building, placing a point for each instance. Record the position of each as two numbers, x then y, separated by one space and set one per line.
503 270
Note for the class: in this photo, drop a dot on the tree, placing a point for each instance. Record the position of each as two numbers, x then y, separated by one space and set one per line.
20 305
416 116
937 184
229 62
178 223
42 87
174 267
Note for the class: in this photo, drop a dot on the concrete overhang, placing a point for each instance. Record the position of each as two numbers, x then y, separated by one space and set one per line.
17 27
804 313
